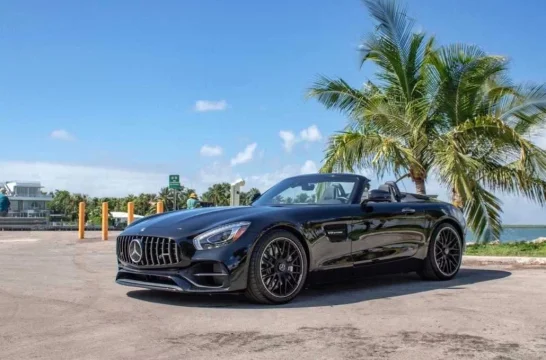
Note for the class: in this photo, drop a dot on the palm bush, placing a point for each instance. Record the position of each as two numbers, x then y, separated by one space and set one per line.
450 111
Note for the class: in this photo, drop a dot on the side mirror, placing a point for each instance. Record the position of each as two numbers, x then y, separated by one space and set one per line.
378 196
255 197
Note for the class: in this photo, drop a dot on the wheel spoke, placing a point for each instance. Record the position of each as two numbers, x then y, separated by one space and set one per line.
452 262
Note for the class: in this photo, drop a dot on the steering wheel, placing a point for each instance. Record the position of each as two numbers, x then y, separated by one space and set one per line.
343 199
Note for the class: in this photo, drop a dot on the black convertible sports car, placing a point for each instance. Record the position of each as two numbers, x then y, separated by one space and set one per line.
309 228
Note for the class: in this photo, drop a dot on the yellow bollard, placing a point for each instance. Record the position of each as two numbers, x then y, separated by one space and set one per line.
104 221
130 212
81 221
159 206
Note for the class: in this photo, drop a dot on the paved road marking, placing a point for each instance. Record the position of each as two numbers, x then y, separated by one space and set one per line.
17 240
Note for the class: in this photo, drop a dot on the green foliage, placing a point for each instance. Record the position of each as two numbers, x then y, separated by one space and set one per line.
168 196
218 194
246 197
448 111
67 204
508 249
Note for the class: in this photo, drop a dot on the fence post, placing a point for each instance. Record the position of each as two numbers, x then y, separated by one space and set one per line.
81 221
130 212
159 206
104 221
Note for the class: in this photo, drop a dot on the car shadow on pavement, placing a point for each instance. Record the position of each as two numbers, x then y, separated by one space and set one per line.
348 292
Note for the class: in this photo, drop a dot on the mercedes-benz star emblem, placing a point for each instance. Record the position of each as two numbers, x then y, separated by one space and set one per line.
135 251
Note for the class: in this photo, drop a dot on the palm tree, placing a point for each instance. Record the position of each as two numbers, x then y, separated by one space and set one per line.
449 111
218 194
484 141
167 196
144 204
246 197
389 124
183 197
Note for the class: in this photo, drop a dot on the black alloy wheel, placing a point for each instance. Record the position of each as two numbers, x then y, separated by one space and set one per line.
445 254
278 268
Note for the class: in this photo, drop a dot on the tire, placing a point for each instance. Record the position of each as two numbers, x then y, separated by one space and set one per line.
442 264
291 275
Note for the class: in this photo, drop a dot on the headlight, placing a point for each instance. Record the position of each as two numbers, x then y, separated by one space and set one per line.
220 236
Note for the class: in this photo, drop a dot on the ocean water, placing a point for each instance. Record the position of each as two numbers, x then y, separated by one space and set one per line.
516 233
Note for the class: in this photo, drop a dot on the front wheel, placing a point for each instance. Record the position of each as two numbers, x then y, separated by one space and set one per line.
445 254
277 269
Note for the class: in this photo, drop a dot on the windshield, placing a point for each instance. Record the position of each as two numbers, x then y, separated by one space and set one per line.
310 190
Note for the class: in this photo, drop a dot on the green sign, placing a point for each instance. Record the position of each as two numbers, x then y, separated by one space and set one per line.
174 182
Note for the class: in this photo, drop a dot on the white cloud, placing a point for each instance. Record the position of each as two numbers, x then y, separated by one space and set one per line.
62 135
216 173
244 156
309 167
207 105
311 134
266 180
207 150
91 180
288 138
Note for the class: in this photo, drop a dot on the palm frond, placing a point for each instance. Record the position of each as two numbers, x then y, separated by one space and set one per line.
514 179
393 23
483 211
398 51
524 108
460 72
339 94
349 151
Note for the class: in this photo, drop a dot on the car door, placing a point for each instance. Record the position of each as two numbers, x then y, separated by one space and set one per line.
328 239
387 231
328 236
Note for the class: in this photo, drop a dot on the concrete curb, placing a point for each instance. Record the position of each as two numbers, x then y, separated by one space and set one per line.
503 260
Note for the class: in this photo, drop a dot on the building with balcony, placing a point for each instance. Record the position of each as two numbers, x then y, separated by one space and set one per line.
27 198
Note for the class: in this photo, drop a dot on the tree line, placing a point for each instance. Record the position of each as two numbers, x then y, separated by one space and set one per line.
66 203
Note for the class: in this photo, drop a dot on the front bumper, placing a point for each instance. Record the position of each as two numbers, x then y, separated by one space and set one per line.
198 278
174 265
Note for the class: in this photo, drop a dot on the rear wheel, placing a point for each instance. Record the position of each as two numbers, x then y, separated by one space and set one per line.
277 270
445 254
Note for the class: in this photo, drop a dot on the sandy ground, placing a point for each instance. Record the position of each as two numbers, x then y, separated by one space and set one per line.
58 300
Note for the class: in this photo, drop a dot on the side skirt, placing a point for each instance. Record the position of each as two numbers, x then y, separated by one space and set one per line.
364 271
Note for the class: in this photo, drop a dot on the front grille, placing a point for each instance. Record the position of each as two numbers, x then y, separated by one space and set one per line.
156 251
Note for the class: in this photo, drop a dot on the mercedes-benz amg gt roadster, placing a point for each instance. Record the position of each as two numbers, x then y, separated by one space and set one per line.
305 229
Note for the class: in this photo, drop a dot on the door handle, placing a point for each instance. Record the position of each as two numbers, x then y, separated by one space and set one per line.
408 210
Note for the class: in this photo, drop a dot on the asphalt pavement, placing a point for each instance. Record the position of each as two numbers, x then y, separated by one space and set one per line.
58 300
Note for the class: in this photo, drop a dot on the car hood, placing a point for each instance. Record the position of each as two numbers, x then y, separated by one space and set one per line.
197 220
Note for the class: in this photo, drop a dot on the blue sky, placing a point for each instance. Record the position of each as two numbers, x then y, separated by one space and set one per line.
103 97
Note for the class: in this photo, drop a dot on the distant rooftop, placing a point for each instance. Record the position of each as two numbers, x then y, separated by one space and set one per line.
22 183
25 189
123 215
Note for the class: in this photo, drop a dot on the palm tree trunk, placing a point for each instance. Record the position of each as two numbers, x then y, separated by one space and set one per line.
456 198
420 186
418 177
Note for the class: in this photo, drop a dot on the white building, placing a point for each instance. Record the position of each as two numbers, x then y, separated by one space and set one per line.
26 198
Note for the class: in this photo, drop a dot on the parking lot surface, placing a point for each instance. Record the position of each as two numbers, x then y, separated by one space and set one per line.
58 300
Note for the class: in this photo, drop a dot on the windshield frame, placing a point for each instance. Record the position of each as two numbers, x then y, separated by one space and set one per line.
354 197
